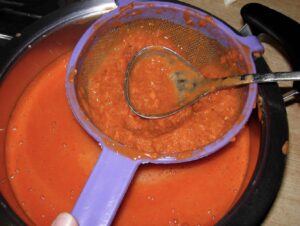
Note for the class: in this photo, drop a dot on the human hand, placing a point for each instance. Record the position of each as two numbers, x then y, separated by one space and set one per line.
64 219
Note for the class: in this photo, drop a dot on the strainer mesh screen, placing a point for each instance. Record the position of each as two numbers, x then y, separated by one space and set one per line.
102 60
194 46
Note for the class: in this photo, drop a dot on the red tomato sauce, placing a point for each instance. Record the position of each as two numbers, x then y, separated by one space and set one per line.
150 87
49 158
101 92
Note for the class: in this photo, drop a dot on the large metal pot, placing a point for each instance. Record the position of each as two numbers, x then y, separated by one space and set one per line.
263 180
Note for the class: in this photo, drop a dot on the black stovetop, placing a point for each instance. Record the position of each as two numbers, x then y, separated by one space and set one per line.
15 15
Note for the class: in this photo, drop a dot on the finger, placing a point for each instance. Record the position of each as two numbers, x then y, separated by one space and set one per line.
64 219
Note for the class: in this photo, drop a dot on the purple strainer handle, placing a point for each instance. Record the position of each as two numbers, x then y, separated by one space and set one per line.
105 188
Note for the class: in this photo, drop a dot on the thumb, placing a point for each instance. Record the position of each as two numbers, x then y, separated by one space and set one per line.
64 219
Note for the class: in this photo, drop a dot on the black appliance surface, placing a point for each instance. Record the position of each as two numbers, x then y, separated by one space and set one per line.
15 15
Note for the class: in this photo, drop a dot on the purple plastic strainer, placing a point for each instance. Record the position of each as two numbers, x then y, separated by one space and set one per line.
113 172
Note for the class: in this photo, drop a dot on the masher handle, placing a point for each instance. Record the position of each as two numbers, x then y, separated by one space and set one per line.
276 77
232 81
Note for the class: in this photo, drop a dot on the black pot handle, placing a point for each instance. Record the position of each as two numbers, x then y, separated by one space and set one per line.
283 29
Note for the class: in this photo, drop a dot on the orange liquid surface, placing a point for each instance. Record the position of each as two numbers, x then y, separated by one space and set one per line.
49 158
